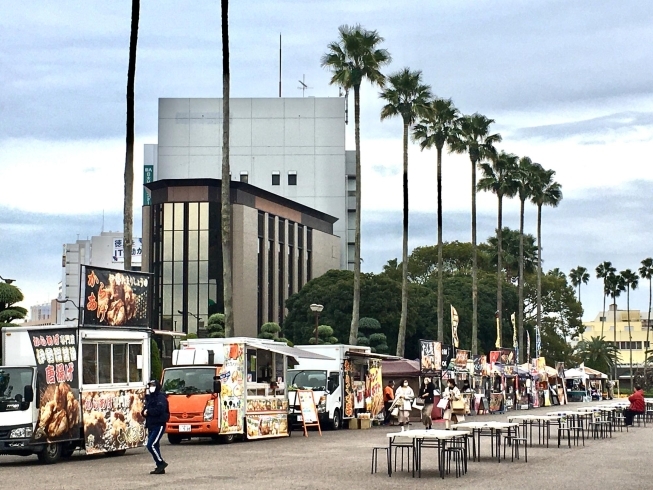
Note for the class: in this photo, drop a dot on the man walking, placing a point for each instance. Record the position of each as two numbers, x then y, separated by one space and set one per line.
388 399
156 414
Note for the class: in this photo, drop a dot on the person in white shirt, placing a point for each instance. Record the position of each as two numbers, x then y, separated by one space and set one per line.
451 393
404 397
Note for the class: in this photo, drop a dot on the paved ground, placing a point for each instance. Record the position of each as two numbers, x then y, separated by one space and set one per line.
341 459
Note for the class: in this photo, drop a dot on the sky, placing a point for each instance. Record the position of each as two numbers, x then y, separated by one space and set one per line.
569 84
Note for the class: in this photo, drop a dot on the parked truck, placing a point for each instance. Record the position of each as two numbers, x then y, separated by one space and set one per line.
229 389
347 383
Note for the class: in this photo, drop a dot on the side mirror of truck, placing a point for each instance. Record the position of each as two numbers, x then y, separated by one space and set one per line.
217 385
28 394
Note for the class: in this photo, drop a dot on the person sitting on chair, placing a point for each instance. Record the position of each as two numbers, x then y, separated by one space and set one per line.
637 405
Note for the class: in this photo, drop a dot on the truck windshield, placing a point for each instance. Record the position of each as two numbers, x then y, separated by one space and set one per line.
307 380
188 381
13 382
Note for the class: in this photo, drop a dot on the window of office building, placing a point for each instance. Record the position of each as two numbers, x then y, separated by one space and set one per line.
271 275
261 240
300 256
292 178
291 257
244 177
276 178
309 254
280 267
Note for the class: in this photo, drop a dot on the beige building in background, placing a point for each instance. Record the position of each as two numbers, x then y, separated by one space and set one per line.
278 246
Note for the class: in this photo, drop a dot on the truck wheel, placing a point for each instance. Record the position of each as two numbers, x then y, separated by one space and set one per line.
50 454
228 439
336 423
174 439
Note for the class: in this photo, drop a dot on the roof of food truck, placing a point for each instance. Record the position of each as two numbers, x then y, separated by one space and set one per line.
265 344
350 350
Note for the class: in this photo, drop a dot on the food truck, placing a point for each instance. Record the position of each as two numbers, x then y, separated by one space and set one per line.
348 382
229 388
64 388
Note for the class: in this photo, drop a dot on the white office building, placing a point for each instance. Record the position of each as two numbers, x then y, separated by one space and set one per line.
293 147
104 250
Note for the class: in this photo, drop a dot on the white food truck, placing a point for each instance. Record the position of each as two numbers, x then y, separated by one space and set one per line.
66 387
348 384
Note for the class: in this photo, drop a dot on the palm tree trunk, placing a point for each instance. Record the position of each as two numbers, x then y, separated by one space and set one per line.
401 338
614 328
440 261
226 181
474 266
520 316
128 209
603 321
648 330
539 268
355 314
500 265
630 335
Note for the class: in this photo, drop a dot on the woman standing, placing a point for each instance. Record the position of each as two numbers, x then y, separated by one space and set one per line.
426 394
403 399
450 394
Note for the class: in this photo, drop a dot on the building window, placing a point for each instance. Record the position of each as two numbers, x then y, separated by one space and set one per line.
276 178
300 259
244 177
309 254
292 178
280 267
261 236
291 258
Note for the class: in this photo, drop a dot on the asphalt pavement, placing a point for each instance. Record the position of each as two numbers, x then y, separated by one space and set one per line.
342 460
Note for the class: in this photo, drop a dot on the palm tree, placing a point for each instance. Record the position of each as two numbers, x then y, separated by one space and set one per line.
546 192
499 178
353 58
616 285
226 180
526 176
437 129
579 276
631 279
602 272
474 138
128 209
598 354
646 273
406 96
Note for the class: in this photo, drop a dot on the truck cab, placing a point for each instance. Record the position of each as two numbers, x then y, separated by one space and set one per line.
17 409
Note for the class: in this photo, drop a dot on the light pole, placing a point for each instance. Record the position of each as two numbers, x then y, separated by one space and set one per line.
315 308
79 311
7 281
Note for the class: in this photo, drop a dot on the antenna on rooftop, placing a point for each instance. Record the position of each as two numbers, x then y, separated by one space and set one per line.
303 87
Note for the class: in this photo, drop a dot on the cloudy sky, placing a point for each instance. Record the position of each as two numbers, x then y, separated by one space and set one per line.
568 83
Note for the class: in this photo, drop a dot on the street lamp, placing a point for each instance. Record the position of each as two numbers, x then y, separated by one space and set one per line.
315 308
8 281
79 311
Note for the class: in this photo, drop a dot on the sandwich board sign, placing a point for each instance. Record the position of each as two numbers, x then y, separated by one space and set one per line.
308 410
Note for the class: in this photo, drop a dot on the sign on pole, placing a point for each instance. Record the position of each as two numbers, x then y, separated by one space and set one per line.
308 410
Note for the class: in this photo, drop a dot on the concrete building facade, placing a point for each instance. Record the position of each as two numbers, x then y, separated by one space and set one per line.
293 147
278 246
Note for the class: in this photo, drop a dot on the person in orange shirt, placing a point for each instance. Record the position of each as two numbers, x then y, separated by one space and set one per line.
388 398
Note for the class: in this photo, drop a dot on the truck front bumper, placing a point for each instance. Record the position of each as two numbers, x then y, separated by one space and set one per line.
18 446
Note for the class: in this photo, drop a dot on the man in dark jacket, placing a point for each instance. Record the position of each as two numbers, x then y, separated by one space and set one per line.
156 414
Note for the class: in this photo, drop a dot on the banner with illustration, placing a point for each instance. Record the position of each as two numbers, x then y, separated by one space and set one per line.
430 357
232 376
479 365
461 359
113 420
116 298
55 352
349 392
447 357
494 359
374 388
261 426
454 327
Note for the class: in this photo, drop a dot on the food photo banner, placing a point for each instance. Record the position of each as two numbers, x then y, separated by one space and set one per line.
431 357
116 298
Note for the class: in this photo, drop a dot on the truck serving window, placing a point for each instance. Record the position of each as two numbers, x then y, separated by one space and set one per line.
106 363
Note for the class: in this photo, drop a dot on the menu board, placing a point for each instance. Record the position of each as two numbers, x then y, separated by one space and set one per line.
431 357
261 426
447 356
232 374
461 359
116 298
349 395
307 406
258 404
374 388
113 420
55 352
496 400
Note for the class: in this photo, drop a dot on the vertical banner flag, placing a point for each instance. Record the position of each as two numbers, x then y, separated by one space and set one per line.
454 326
497 344
538 341
528 346
515 344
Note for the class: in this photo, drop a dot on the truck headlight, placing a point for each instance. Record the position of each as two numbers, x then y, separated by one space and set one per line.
208 411
20 433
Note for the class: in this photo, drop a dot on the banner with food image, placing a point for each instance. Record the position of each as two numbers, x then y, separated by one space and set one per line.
350 394
266 404
260 426
55 352
116 298
460 361
232 375
113 420
374 388
431 357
